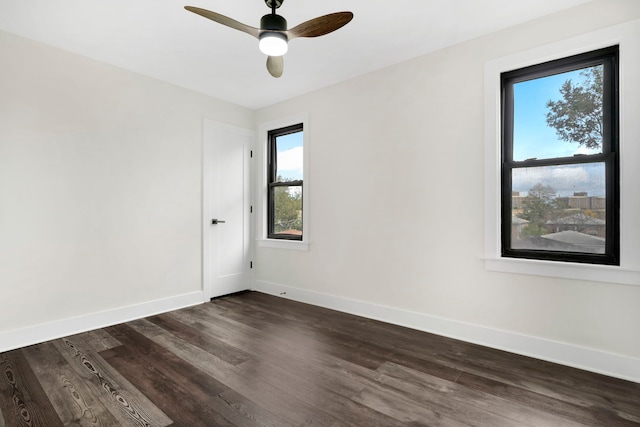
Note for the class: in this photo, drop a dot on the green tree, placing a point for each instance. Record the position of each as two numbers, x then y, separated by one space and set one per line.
577 117
288 210
287 207
539 206
533 229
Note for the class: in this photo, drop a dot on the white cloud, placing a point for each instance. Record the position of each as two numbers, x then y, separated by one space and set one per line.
290 163
569 175
565 180
584 150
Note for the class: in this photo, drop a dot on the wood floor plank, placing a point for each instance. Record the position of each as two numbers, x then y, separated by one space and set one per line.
402 409
73 401
368 330
588 416
447 359
202 388
226 352
335 373
366 350
125 402
280 401
179 403
548 372
344 346
254 360
294 411
368 355
161 358
244 412
451 357
575 395
464 404
99 340
310 390
23 402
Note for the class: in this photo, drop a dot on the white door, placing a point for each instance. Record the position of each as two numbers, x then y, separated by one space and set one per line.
226 209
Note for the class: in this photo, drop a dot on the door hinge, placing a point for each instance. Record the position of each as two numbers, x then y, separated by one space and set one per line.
251 264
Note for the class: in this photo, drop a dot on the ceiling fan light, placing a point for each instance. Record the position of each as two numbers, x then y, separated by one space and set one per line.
273 44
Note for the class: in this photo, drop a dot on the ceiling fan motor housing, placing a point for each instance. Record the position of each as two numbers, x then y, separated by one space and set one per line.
273 22
273 3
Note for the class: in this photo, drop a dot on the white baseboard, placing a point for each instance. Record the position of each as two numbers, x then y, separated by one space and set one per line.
61 328
588 359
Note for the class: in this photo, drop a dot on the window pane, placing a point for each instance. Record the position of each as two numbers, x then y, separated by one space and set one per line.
285 177
559 208
558 115
289 159
287 207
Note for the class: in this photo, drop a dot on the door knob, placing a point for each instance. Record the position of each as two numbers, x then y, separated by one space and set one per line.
217 221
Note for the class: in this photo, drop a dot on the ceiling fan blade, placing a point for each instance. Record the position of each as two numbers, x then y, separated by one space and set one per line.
275 65
321 25
221 19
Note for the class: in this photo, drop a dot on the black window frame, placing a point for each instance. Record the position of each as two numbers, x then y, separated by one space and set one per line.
273 184
609 59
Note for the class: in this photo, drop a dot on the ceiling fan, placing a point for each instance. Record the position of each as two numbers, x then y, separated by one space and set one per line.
273 33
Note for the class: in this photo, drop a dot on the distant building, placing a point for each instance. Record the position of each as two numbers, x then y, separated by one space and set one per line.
565 241
579 222
587 243
517 201
581 200
517 225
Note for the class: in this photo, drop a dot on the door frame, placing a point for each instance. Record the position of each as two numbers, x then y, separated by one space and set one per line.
208 169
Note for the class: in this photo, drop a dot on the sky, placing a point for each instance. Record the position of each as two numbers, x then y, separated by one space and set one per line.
290 156
534 138
565 180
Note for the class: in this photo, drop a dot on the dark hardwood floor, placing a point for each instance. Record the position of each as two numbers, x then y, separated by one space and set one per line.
257 360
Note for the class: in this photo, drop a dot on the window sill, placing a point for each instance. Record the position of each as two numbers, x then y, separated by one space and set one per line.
293 245
592 272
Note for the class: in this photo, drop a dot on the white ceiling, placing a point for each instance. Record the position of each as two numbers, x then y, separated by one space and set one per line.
160 39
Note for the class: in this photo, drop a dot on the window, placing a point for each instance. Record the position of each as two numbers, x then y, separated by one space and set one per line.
285 163
560 168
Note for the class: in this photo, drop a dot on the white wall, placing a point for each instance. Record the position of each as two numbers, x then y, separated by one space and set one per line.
396 200
100 188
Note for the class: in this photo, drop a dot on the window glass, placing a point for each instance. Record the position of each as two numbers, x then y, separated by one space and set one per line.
289 157
553 113
285 187
287 210
560 208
